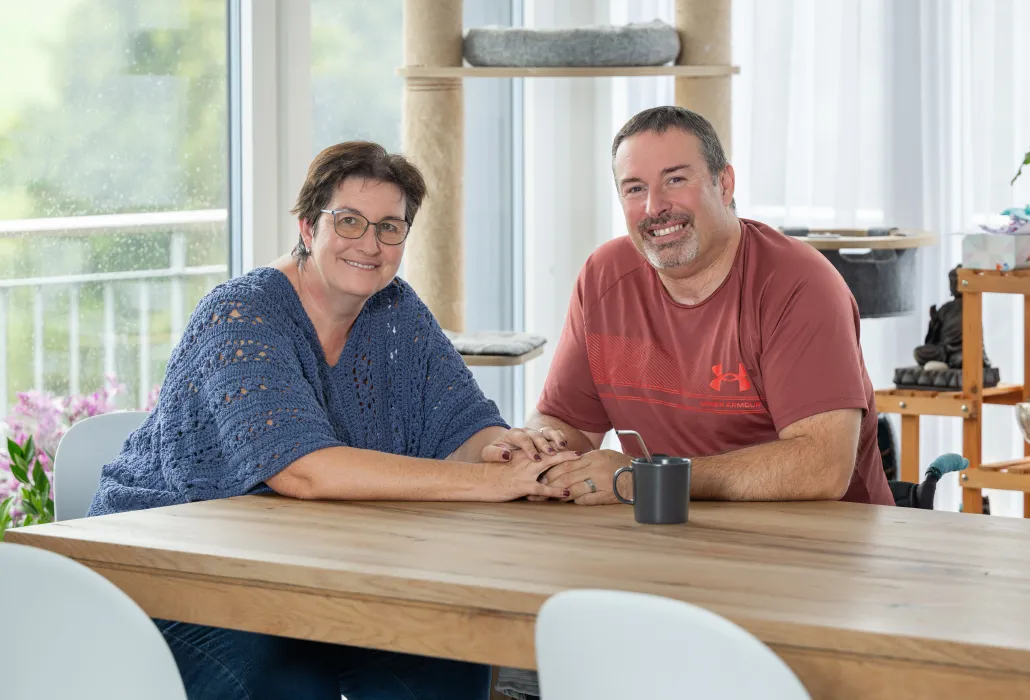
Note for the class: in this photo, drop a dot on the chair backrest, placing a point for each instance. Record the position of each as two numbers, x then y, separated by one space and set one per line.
71 633
613 645
82 453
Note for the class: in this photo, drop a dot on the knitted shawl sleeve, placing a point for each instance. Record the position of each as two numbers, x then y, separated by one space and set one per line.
248 368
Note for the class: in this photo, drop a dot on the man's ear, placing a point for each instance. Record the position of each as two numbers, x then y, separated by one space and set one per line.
727 184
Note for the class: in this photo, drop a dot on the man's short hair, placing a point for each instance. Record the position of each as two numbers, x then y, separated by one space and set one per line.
660 119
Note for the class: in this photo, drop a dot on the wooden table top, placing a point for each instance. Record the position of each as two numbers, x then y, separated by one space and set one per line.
908 584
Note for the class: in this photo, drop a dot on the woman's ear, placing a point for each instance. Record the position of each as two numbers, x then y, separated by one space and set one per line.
307 232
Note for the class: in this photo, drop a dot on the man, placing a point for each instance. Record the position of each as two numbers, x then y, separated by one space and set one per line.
714 337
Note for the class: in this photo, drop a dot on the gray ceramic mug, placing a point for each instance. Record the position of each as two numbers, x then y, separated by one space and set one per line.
661 489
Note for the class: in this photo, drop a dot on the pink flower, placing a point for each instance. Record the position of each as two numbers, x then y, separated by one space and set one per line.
47 418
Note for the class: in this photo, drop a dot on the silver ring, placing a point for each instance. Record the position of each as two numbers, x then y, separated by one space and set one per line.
590 482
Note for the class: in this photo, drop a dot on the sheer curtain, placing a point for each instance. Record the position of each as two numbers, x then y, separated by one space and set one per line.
846 112
872 112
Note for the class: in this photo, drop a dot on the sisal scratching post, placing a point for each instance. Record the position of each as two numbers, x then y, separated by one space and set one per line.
433 138
705 35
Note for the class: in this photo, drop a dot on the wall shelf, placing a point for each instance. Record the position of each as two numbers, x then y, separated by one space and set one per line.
502 360
566 72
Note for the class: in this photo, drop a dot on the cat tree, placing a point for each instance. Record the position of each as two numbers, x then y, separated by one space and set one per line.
433 130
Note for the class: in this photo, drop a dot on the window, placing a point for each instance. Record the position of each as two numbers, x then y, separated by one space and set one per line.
113 188
356 48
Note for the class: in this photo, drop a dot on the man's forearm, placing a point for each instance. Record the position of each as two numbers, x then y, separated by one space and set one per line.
797 469
577 439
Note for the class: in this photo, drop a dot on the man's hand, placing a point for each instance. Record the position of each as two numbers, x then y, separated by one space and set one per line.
535 443
589 478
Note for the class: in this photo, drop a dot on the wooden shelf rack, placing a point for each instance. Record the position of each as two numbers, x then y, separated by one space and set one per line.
1011 475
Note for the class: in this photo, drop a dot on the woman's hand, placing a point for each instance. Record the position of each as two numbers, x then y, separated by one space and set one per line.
520 476
536 443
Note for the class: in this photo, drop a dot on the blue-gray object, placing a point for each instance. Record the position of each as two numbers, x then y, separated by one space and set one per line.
946 463
909 495
639 44
881 280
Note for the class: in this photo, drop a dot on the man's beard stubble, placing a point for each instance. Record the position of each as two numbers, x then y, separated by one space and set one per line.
665 256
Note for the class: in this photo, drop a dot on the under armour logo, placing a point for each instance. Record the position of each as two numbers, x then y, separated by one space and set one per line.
740 377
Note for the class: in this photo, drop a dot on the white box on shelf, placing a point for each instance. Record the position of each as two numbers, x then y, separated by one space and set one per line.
995 251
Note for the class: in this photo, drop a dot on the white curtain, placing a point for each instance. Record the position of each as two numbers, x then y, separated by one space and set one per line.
846 112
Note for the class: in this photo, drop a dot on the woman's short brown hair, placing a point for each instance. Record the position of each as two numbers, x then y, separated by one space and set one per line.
355 159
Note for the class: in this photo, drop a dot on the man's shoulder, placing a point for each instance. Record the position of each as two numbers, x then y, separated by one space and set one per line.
777 262
611 263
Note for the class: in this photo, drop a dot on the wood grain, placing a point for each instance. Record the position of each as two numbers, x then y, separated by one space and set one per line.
563 71
837 589
896 242
910 470
502 360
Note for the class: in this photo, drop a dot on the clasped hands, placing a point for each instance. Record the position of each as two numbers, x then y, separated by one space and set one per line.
586 476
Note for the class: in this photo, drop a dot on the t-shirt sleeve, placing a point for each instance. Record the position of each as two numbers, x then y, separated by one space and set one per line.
569 392
811 359
248 374
454 407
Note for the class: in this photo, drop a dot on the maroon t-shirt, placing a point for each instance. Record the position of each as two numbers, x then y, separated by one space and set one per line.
777 342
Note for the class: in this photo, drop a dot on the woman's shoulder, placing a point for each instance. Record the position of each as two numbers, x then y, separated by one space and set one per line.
252 298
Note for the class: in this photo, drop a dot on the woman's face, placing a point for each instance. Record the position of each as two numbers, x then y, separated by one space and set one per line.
356 267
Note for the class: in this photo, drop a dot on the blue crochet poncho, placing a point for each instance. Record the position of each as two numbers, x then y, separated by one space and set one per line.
248 390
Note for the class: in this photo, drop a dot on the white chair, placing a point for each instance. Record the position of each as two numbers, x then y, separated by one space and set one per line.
615 645
77 635
81 455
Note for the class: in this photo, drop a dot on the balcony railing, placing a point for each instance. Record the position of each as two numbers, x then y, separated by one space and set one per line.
176 225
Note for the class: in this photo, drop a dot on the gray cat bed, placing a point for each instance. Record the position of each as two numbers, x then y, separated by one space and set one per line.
641 44
508 343
882 280
518 683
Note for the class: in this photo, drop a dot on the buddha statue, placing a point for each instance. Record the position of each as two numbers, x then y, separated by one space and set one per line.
940 355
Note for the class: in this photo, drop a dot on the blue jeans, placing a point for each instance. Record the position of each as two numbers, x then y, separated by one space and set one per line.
221 664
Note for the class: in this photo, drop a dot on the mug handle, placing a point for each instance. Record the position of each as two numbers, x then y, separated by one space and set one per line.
615 485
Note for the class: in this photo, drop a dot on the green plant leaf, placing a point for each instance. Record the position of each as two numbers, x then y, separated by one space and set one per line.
19 472
29 449
39 480
1026 161
14 449
29 508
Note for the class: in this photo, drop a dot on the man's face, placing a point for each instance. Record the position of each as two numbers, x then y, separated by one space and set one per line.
672 207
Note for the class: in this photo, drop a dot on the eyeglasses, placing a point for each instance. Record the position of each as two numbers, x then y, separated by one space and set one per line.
350 224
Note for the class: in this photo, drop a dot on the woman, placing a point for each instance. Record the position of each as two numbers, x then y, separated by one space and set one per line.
323 376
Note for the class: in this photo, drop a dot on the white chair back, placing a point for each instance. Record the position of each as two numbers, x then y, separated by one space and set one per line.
71 633
84 450
615 645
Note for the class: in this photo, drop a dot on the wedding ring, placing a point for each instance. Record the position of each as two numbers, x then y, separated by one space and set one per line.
590 482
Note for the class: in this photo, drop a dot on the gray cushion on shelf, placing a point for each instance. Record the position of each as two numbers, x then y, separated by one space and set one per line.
639 44
518 683
494 342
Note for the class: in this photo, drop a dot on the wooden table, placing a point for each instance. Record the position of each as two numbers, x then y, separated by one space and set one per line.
861 601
